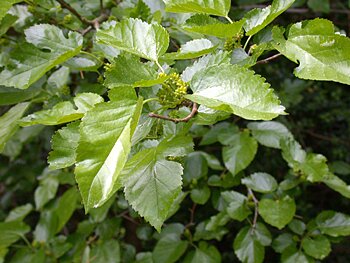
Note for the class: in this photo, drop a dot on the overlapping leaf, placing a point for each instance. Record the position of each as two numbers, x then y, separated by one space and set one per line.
129 71
212 7
208 25
64 145
9 122
149 41
65 111
237 90
258 18
322 54
104 145
152 183
5 6
48 47
192 49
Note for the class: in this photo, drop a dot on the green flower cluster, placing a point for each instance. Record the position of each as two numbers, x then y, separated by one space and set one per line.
172 92
233 42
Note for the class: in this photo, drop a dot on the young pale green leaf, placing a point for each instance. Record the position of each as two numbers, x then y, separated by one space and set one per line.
9 123
247 247
204 62
237 90
145 40
64 145
333 224
50 48
11 232
322 54
64 111
277 213
258 19
169 249
269 133
19 213
104 145
207 25
318 247
237 207
192 49
5 6
337 184
152 183
129 71
212 7
261 182
240 152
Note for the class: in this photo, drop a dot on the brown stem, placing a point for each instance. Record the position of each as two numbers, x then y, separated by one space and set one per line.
101 7
256 211
186 119
266 60
95 22
192 210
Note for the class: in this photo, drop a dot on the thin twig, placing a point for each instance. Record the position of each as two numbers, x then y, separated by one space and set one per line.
266 60
186 119
326 138
95 22
192 210
256 210
73 11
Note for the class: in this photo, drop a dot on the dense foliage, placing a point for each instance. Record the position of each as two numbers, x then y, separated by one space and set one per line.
175 131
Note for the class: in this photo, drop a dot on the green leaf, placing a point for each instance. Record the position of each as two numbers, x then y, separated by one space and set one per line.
313 166
200 195
261 182
9 96
283 242
237 90
207 25
258 19
195 167
104 145
5 6
277 213
65 111
106 252
47 189
19 213
206 61
247 247
65 207
322 54
338 185
240 152
129 71
212 7
84 61
237 207
292 255
206 253
145 40
318 247
151 183
192 49
297 226
169 249
333 224
50 48
64 145
269 133
6 23
9 123
11 232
